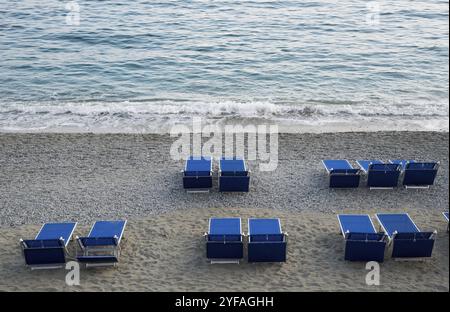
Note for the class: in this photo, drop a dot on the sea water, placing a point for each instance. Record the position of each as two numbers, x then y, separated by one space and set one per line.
146 65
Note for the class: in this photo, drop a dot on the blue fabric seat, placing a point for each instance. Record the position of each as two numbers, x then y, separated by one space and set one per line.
341 173
224 240
362 242
233 175
267 242
48 249
408 240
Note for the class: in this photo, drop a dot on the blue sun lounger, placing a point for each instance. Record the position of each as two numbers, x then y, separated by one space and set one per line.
408 242
102 245
341 173
446 218
224 242
197 174
48 249
362 242
420 174
267 242
233 175
380 175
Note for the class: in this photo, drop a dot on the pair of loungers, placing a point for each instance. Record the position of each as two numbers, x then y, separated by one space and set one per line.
233 174
364 243
381 175
49 248
225 241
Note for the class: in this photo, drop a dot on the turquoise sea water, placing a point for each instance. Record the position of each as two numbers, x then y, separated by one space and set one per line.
142 66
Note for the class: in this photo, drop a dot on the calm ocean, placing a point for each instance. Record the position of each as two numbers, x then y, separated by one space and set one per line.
142 66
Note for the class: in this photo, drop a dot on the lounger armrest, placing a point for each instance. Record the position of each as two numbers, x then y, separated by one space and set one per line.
365 237
42 243
97 241
413 236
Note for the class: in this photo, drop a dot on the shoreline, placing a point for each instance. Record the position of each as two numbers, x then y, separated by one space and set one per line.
287 127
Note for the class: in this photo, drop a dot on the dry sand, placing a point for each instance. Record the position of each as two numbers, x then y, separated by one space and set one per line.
167 253
61 177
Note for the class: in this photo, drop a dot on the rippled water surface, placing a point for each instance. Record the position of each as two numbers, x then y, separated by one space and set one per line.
142 66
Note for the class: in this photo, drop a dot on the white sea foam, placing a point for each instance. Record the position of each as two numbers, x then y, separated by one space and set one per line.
158 116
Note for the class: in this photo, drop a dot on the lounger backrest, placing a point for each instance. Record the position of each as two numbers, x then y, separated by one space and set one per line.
98 241
413 245
234 183
344 178
44 252
383 175
420 173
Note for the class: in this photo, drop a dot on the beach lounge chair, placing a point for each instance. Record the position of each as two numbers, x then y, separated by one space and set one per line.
408 242
197 174
267 242
362 242
446 218
224 242
233 175
48 249
341 173
380 175
420 174
102 245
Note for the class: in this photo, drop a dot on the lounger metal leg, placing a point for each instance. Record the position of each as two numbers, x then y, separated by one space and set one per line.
225 261
424 187
412 259
197 191
46 267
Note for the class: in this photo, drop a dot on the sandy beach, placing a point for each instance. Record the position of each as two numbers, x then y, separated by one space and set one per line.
87 177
